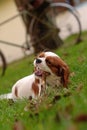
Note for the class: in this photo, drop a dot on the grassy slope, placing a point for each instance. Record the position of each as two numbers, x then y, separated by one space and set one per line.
52 113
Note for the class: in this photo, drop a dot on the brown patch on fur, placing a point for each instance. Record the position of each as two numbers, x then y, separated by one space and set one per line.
16 92
42 88
35 69
45 74
35 88
59 67
30 97
37 81
41 55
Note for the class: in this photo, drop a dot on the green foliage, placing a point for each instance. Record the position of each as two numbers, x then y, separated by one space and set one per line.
56 110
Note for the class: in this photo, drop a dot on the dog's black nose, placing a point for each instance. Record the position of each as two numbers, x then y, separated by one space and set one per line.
38 61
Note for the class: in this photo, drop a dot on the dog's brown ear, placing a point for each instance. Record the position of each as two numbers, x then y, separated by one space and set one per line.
59 67
63 71
64 74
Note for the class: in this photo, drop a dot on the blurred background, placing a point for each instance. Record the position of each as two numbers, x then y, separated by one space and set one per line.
14 30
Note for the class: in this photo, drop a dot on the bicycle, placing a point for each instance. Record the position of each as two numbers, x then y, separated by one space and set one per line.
53 14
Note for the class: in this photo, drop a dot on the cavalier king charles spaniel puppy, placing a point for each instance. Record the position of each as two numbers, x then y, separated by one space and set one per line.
57 69
50 70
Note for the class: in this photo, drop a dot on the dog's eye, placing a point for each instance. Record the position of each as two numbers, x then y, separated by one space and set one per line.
48 62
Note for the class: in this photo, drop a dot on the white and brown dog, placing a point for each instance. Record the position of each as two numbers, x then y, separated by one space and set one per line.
58 70
50 69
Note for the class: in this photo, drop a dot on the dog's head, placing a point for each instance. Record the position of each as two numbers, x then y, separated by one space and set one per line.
54 65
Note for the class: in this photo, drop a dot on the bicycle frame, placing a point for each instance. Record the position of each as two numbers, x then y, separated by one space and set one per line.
56 4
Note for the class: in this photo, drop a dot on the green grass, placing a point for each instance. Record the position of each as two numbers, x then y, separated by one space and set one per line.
50 113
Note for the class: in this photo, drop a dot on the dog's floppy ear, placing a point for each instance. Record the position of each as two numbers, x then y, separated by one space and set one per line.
63 72
59 67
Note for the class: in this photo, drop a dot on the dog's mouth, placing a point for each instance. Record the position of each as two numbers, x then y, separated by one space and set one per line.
38 72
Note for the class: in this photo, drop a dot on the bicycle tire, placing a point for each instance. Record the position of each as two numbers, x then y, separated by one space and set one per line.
73 12
4 63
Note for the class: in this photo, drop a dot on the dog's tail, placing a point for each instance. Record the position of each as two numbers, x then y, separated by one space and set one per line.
6 96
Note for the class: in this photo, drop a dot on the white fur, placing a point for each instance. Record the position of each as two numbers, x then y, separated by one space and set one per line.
24 89
50 54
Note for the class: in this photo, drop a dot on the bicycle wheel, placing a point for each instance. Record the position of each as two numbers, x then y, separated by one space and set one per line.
71 24
58 21
3 63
